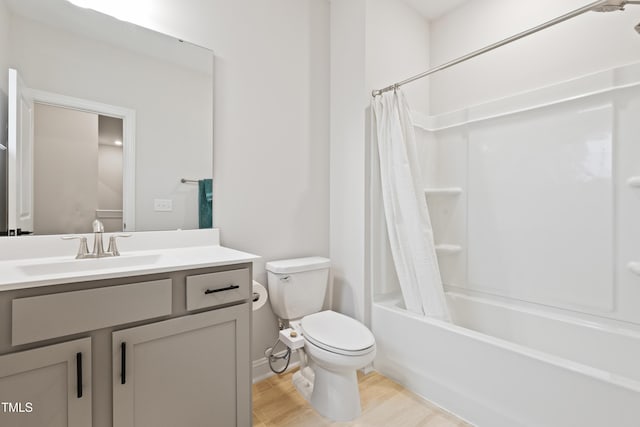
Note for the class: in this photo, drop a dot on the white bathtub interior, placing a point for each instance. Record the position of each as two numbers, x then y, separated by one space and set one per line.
535 222
566 337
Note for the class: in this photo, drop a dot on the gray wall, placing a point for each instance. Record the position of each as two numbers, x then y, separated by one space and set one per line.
4 46
271 142
65 198
110 184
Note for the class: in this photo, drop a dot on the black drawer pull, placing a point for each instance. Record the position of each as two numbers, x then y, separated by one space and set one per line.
228 288
123 363
79 374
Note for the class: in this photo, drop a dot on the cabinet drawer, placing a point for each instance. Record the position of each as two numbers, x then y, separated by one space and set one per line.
211 289
66 313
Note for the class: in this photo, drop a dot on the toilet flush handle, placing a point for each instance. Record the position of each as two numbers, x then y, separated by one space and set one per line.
285 278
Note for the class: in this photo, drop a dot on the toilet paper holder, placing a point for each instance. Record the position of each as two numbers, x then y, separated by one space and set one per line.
259 295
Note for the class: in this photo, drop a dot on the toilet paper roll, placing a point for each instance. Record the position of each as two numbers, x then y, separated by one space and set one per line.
260 295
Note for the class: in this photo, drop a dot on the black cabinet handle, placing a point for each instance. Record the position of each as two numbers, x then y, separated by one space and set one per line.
228 288
79 374
123 363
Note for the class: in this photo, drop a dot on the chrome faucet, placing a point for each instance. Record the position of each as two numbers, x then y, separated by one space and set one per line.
98 247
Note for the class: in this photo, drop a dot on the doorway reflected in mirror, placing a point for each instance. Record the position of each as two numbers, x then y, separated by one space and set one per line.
69 199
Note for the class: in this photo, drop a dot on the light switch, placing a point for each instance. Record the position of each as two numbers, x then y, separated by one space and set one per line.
162 205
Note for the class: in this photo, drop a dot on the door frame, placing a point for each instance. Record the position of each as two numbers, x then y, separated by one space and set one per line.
16 164
128 117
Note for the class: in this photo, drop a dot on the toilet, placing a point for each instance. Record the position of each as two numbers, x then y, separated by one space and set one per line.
334 345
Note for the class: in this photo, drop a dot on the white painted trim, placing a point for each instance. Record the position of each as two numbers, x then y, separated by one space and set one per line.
128 117
12 146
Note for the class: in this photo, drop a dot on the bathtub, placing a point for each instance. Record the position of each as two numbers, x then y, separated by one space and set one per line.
500 364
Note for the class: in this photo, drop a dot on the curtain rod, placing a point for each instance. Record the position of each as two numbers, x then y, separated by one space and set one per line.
559 19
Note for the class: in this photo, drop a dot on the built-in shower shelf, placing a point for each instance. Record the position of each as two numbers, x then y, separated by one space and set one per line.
634 267
443 191
445 249
634 181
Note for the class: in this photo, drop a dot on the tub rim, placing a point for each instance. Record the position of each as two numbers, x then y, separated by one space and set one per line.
542 356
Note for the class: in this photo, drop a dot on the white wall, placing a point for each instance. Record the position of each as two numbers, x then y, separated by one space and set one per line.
397 47
347 164
171 142
271 150
373 43
588 43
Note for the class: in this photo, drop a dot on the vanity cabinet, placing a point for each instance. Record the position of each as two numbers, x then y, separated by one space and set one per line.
166 349
47 386
189 371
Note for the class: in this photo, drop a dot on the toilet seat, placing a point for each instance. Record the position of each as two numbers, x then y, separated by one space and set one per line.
337 333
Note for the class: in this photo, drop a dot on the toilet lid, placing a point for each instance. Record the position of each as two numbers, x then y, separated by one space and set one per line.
337 333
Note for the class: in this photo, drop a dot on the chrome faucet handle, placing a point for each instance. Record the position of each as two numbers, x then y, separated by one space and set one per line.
83 249
98 226
113 247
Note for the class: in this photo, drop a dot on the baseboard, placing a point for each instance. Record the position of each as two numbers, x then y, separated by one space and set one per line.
367 369
261 370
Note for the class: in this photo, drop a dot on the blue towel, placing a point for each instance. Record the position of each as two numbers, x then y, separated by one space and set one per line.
205 203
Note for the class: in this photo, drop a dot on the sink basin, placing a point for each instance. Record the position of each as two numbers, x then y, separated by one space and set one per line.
83 265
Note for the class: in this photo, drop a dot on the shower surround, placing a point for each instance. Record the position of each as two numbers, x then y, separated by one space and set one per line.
534 200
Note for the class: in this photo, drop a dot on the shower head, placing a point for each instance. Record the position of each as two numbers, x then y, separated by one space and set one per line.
613 5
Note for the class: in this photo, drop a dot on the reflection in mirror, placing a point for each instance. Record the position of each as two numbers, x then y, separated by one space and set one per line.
161 90
67 199
3 162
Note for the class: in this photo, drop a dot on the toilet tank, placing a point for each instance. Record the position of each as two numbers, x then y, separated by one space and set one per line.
297 287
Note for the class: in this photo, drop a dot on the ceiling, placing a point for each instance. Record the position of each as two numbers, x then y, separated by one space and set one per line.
434 9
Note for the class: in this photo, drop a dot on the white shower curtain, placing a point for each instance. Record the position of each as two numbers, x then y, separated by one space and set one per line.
405 207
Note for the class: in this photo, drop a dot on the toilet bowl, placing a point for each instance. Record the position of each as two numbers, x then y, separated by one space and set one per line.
335 345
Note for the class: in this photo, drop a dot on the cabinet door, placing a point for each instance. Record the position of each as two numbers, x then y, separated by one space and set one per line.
189 371
48 386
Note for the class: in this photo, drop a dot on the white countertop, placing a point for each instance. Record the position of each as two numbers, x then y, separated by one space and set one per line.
144 253
36 272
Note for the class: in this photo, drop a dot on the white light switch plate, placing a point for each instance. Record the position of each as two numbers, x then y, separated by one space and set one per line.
162 205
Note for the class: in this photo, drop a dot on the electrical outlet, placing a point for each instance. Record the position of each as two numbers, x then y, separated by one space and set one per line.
162 205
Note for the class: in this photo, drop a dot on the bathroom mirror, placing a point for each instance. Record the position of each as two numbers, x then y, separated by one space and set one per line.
159 87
